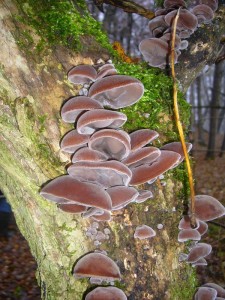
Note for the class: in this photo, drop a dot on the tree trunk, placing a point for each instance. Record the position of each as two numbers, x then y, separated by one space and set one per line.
36 53
200 120
217 84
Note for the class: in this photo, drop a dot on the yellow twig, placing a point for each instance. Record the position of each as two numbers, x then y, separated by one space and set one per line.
179 125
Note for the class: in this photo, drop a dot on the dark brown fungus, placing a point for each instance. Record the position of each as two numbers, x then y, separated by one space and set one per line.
86 154
142 156
66 188
218 288
198 251
205 293
82 74
144 232
76 105
208 208
177 147
142 137
105 174
95 119
73 141
96 265
106 293
186 20
203 13
155 52
185 223
143 196
189 234
121 196
117 91
113 143
174 3
72 208
144 173
200 262
213 4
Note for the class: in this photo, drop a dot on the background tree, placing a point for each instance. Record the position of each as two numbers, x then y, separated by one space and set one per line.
40 42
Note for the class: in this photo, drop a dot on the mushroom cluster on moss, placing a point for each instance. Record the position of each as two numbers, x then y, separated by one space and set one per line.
156 49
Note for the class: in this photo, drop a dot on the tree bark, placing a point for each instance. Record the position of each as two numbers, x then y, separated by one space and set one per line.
32 90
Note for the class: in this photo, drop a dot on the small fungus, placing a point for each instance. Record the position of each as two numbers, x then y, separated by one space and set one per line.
198 251
117 91
73 141
144 232
177 147
106 70
186 20
96 265
203 227
82 74
121 196
189 234
218 288
157 26
205 293
106 293
208 208
72 208
174 3
143 196
106 216
201 262
86 154
95 119
72 109
203 13
185 223
141 138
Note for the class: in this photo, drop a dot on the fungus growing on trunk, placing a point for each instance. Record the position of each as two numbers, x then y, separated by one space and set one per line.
186 20
157 26
106 293
208 208
106 216
95 119
189 234
117 91
141 138
144 232
104 174
113 143
82 74
177 147
121 196
203 227
185 223
72 109
143 196
67 188
73 208
205 293
203 13
218 288
174 3
198 251
86 154
72 141
106 70
96 265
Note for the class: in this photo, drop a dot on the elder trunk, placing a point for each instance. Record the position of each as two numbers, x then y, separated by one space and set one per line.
35 57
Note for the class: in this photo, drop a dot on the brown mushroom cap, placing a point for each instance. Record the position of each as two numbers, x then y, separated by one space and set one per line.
113 143
218 288
95 119
142 137
186 20
66 188
106 216
144 173
177 147
117 91
86 154
203 13
208 208
121 196
203 227
198 251
82 74
106 293
205 293
155 52
76 105
185 223
174 3
72 208
96 265
105 174
144 232
189 234
73 141
142 156
167 37
201 262
157 26
213 4
143 196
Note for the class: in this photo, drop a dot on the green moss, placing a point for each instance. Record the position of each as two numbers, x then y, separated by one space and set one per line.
62 22
184 285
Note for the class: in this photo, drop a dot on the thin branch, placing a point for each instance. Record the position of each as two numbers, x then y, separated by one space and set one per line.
130 7
179 125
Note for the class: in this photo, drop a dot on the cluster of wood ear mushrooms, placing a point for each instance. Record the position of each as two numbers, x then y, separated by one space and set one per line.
156 50
108 164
